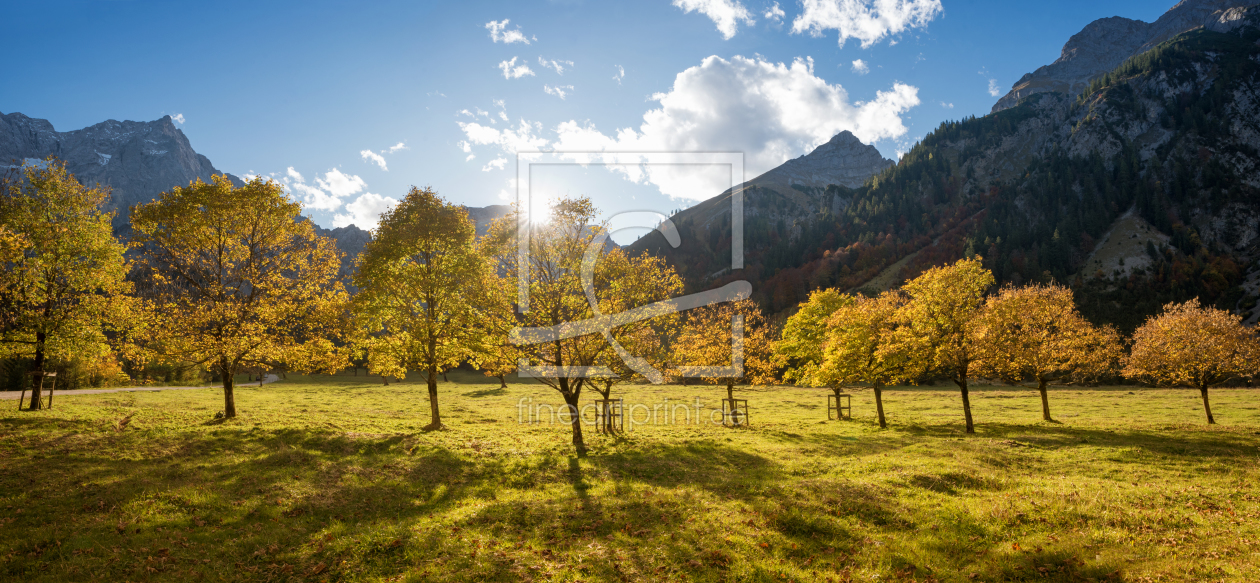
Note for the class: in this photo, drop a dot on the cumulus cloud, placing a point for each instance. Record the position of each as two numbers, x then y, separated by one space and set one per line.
340 185
860 67
868 21
495 164
947 105
500 34
726 14
178 118
559 90
775 13
621 74
557 66
327 192
375 158
364 212
994 90
395 148
770 111
513 71
524 138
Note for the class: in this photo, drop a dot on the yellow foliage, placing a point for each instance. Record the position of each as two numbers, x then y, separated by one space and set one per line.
64 287
1191 345
800 349
423 291
705 340
235 278
943 306
1035 333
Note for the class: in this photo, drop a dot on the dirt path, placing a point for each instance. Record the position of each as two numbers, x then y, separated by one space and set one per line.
13 395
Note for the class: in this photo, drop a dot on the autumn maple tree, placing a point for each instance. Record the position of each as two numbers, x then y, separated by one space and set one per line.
944 303
707 339
236 279
424 292
64 288
1192 345
574 285
1035 333
859 346
800 347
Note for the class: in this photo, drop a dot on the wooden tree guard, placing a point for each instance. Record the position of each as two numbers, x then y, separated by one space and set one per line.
842 410
608 416
735 412
42 375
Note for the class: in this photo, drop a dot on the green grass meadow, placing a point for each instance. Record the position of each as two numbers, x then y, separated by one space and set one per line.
328 478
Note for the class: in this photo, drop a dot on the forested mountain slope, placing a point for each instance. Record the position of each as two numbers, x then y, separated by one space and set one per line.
1165 149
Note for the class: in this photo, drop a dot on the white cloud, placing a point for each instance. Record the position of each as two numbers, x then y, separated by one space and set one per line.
500 34
557 66
523 139
775 13
726 14
994 90
947 105
374 157
395 148
495 164
860 67
470 157
868 21
621 74
365 212
178 118
512 71
559 91
315 197
770 111
340 185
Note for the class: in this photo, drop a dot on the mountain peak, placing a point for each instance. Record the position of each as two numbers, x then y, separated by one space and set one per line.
136 159
842 160
1104 44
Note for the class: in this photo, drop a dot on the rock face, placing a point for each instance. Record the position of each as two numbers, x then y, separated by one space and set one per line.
137 160
843 160
483 216
1107 42
794 191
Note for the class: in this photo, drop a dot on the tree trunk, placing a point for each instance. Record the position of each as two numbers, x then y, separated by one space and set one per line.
1206 407
575 419
961 381
436 422
502 382
879 404
37 366
229 400
444 379
1045 400
730 394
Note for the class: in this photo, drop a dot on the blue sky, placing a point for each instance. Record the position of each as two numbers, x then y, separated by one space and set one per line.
265 87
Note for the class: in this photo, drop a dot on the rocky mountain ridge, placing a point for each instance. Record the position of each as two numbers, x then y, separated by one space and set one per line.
1107 42
137 160
795 189
1142 190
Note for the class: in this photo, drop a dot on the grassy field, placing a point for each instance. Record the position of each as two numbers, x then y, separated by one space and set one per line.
329 479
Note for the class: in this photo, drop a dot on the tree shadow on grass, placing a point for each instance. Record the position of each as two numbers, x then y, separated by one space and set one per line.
495 392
